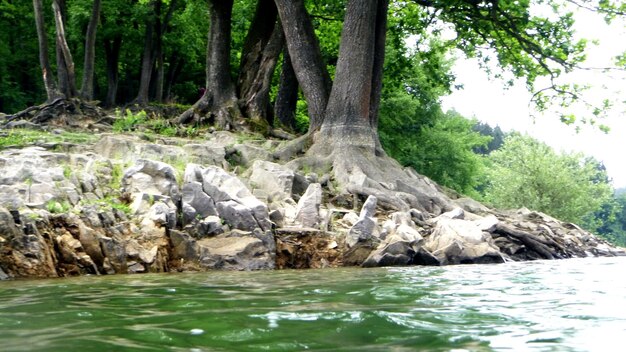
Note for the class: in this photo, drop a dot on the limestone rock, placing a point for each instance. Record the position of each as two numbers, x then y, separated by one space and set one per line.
194 196
115 253
246 154
275 179
456 241
235 253
308 208
151 177
363 230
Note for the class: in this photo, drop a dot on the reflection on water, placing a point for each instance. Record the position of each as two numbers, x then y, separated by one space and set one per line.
571 305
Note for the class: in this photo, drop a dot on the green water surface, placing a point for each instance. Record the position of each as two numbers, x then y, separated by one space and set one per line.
570 305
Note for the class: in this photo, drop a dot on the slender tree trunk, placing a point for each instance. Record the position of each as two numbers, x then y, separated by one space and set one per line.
162 28
112 52
175 68
86 90
219 103
48 79
147 58
306 58
261 50
67 76
287 97
347 117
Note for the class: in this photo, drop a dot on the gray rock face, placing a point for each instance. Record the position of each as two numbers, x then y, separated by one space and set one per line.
151 177
308 208
235 253
115 252
274 179
235 203
363 230
456 241
200 202
7 225
246 154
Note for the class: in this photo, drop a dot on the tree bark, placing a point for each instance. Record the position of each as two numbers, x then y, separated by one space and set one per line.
379 61
65 62
287 97
49 81
347 116
261 50
161 29
112 52
86 90
306 58
176 65
147 58
218 105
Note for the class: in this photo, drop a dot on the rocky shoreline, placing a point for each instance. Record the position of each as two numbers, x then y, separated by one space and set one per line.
136 204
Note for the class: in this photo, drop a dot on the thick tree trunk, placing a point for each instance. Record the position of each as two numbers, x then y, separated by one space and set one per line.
147 58
112 52
287 97
348 142
347 116
218 105
306 58
52 91
379 61
261 50
86 90
65 62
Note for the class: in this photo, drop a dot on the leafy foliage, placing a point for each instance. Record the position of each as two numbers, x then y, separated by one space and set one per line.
528 173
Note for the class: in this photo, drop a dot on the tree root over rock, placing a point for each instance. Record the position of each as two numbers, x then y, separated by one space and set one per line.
364 170
61 112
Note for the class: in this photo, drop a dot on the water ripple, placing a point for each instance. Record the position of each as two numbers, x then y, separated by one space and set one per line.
572 305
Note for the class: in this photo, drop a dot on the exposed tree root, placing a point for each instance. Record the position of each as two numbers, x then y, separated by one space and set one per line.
60 111
365 169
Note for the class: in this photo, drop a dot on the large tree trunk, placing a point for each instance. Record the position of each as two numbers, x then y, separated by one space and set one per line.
379 61
306 58
112 52
218 105
65 62
86 90
287 97
347 116
147 58
348 142
261 50
52 91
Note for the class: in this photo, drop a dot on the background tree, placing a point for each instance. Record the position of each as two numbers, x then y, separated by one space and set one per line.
528 173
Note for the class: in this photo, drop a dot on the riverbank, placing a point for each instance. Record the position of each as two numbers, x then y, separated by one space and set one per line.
78 200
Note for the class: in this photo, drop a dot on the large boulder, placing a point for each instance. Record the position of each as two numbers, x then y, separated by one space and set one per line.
456 241
233 200
151 177
272 178
240 252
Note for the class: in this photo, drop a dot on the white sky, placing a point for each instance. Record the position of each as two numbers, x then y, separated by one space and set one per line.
490 102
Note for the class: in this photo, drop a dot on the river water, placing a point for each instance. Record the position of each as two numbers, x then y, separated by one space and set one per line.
568 305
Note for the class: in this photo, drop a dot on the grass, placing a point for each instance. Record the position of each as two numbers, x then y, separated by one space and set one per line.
24 137
109 202
56 207
128 121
